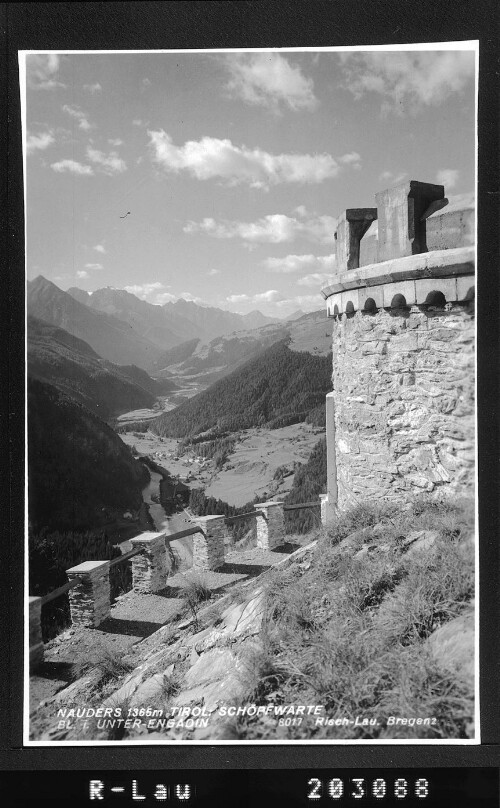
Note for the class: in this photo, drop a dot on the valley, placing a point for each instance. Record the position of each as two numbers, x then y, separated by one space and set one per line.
163 404
262 462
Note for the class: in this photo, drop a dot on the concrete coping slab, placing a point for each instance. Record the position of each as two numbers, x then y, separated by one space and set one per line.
437 263
88 567
147 538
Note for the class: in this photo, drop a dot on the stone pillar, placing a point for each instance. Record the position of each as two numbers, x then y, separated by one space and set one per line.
351 227
149 568
90 601
401 221
208 546
35 632
271 526
329 503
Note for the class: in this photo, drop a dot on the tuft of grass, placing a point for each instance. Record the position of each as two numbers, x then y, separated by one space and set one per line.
196 591
110 665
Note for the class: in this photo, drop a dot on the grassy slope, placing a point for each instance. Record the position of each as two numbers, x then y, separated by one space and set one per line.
349 632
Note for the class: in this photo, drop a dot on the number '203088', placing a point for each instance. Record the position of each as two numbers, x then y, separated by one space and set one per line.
357 788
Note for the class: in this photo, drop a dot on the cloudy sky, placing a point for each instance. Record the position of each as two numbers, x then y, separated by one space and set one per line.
218 177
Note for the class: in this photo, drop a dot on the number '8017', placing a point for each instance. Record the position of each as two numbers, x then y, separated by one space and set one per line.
359 788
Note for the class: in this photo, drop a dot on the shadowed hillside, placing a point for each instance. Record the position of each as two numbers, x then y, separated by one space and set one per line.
80 473
71 365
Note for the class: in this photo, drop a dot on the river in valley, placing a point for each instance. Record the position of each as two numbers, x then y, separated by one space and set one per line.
181 549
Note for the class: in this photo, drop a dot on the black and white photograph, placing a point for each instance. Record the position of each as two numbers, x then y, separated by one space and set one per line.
251 472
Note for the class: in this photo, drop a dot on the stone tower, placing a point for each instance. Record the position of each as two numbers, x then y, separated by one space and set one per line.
401 417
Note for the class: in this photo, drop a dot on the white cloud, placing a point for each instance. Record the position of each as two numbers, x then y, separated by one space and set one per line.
73 167
318 279
408 78
146 82
138 122
93 88
212 272
214 158
273 229
165 297
145 290
391 178
271 296
190 298
93 266
351 159
115 141
273 303
79 115
100 248
448 177
108 163
41 141
81 274
268 79
41 71
294 263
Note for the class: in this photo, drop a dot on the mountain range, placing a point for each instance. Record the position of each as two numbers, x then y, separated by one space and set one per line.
110 337
172 323
126 330
210 361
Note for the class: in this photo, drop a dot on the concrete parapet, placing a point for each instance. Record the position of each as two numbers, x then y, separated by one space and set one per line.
35 632
208 546
453 225
270 526
90 601
351 227
401 218
424 279
149 568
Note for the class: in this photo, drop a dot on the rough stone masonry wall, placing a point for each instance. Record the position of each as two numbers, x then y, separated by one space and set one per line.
404 413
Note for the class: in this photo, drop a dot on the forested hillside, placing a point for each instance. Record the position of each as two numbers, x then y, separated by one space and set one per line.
80 473
175 355
71 365
308 483
277 388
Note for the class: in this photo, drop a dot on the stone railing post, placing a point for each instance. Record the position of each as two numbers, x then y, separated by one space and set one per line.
149 568
90 601
208 547
271 526
35 632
